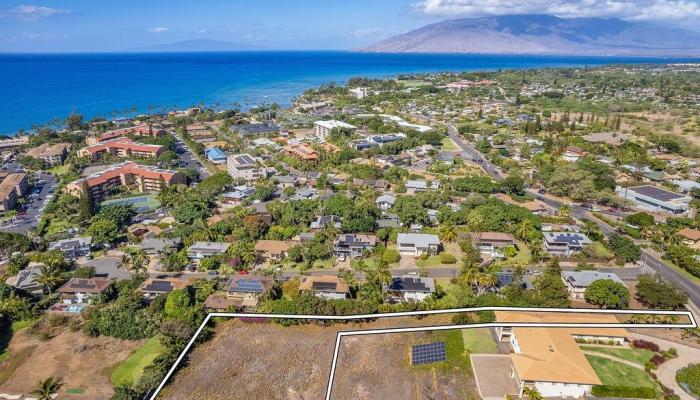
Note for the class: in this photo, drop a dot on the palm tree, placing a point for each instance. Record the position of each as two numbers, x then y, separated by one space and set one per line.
486 280
532 393
523 229
49 278
565 211
47 387
448 233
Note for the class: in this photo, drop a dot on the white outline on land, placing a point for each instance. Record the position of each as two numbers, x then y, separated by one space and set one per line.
341 334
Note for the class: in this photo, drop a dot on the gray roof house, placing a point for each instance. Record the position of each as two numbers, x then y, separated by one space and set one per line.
564 243
26 279
385 201
325 220
416 244
73 248
413 187
201 250
578 281
410 288
159 246
353 244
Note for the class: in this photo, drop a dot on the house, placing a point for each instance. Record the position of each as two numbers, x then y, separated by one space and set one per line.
573 153
285 181
655 199
550 359
244 166
51 153
686 186
273 249
140 230
416 186
389 221
410 288
152 287
564 243
265 128
238 195
200 250
385 201
325 286
493 243
691 237
359 92
303 152
303 194
353 244
83 291
157 247
121 147
381 140
325 220
220 303
536 207
578 281
247 289
215 155
144 178
324 128
416 244
73 248
26 279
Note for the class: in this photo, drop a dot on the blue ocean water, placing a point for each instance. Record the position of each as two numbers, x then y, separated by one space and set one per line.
35 88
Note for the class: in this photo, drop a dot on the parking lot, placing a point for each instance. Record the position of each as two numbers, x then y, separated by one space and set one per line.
36 201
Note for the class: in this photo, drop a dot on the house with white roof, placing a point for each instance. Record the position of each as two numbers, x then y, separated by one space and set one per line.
415 244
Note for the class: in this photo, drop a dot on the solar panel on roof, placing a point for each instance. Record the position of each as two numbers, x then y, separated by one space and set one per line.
159 286
428 353
657 193
324 286
249 285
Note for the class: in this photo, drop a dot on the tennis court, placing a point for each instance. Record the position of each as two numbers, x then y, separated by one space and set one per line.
141 204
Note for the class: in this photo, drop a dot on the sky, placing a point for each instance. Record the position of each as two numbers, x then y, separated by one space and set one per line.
122 25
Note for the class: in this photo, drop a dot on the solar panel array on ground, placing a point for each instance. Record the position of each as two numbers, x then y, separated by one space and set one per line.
428 353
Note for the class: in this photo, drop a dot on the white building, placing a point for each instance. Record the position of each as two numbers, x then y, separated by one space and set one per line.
359 92
415 244
654 199
324 128
385 201
244 166
201 250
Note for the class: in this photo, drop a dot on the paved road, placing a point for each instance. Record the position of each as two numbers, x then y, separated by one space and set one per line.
34 206
185 154
468 152
649 259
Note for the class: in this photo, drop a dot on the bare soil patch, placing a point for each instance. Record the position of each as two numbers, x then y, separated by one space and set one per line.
81 362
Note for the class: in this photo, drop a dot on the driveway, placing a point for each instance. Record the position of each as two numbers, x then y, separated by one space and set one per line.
667 371
492 373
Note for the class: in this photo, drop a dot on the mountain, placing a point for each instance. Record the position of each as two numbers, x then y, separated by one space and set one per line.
194 46
544 34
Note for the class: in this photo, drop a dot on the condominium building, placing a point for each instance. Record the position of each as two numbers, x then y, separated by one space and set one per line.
244 166
143 178
302 151
122 147
324 128
51 153
12 187
136 130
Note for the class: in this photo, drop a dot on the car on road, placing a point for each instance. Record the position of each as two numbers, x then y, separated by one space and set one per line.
541 191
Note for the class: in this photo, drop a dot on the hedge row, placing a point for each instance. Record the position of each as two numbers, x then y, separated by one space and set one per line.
624 391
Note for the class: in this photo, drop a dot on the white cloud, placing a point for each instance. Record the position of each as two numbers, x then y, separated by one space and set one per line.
158 29
28 12
684 11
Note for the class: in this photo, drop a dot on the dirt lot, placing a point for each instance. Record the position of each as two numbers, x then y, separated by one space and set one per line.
379 367
267 361
83 363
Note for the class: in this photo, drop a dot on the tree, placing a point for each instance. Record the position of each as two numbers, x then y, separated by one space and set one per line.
624 247
607 293
104 231
44 389
391 256
474 183
574 182
532 393
50 277
513 184
190 211
86 203
640 219
653 291
121 214
448 233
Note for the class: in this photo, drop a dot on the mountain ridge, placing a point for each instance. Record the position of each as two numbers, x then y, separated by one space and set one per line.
543 34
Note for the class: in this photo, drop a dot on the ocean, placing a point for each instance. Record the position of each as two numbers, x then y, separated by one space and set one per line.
36 88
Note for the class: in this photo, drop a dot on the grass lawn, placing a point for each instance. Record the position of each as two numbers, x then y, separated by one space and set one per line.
60 169
446 284
429 262
57 225
598 250
639 356
479 341
617 374
448 144
457 357
127 372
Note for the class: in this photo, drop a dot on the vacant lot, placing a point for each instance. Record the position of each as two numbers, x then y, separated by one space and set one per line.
379 367
246 360
81 362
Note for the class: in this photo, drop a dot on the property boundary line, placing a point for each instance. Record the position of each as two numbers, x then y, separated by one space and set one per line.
341 334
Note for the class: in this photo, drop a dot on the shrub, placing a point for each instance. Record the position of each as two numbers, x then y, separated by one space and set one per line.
391 256
670 353
658 359
689 377
623 391
461 319
643 344
423 256
447 258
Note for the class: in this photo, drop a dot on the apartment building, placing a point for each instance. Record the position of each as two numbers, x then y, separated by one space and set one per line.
12 187
143 178
136 130
324 128
51 153
122 147
244 166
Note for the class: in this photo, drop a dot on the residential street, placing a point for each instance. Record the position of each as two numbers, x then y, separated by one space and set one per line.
468 152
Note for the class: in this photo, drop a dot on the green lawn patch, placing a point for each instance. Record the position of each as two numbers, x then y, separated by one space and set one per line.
448 144
598 250
60 169
428 262
57 225
128 371
639 356
457 357
75 391
479 341
13 361
614 373
19 325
